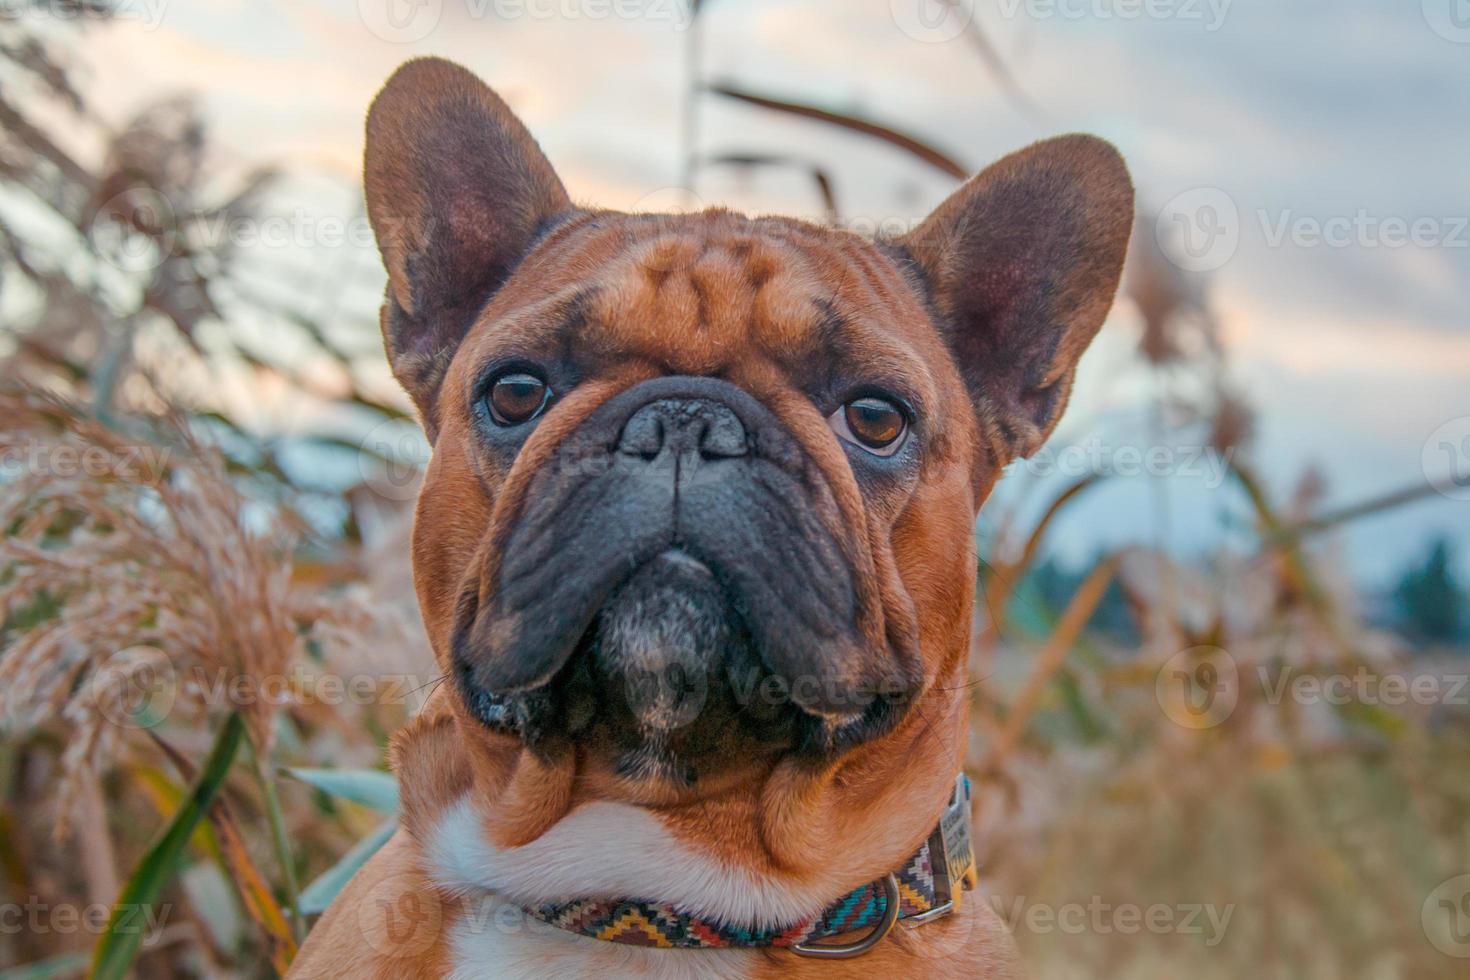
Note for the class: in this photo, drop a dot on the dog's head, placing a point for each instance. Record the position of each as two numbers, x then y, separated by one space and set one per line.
703 486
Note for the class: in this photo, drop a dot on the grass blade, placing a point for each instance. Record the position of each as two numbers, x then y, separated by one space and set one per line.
228 848
65 965
372 788
316 896
118 946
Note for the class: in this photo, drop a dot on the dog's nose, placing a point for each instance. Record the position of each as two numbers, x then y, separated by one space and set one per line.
683 427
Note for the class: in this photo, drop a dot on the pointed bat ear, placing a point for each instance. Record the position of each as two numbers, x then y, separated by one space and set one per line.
1022 263
457 191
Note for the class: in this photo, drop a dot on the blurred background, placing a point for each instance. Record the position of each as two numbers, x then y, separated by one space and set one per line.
1222 642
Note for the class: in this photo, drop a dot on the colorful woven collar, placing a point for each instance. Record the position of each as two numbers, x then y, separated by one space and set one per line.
928 886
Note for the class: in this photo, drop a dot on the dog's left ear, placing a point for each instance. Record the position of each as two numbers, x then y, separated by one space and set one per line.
457 190
1022 263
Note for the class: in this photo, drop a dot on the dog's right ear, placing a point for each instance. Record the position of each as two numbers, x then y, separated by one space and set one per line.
457 190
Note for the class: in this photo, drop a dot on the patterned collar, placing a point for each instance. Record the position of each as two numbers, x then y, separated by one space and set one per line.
928 886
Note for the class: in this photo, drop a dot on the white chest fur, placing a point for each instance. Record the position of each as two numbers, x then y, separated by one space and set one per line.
600 849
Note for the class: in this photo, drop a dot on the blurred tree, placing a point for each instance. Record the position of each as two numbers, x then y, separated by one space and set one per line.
1055 583
1430 602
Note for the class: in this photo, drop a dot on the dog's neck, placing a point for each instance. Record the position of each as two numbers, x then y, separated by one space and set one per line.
615 849
490 819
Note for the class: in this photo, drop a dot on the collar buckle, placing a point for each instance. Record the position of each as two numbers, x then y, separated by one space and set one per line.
953 852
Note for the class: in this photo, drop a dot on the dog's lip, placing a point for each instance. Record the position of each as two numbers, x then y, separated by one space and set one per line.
676 555
509 702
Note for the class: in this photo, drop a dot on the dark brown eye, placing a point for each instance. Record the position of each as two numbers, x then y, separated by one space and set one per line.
875 424
517 397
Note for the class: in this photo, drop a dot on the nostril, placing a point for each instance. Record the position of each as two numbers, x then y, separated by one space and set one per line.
643 435
683 427
723 436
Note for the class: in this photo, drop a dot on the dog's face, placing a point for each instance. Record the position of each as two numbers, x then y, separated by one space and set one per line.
703 486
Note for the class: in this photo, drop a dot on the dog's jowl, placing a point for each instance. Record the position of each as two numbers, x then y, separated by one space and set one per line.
694 550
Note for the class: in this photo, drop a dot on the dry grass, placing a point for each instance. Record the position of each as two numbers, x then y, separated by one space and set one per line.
1319 830
132 595
143 596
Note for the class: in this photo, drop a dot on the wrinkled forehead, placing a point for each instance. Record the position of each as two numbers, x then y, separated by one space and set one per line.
703 294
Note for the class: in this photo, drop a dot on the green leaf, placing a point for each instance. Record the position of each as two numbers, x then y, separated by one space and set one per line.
372 788
319 894
64 965
118 946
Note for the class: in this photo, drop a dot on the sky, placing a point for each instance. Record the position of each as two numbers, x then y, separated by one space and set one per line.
1315 150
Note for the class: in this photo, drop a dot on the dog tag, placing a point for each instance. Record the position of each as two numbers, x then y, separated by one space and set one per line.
954 834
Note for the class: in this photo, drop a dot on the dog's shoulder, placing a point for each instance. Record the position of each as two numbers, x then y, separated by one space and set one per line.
381 926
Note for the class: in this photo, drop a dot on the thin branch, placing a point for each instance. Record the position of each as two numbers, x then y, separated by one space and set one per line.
912 145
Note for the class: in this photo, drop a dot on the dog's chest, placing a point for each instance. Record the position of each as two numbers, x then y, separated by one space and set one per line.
603 849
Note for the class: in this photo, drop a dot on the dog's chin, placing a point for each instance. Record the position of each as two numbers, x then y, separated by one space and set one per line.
668 685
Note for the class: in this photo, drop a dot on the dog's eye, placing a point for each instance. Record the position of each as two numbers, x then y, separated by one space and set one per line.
517 397
875 424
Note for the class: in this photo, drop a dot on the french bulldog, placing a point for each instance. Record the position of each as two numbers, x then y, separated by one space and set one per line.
695 553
